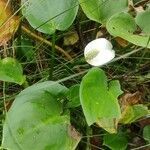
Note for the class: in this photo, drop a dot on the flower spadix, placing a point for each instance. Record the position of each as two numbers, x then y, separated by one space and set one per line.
99 52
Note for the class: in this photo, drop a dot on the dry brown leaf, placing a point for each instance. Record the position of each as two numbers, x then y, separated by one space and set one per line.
129 99
8 23
73 133
99 34
121 42
139 9
144 122
130 5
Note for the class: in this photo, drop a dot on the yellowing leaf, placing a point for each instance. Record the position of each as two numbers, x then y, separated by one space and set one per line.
110 125
8 23
133 113
131 109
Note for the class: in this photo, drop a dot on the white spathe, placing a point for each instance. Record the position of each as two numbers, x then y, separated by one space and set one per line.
99 52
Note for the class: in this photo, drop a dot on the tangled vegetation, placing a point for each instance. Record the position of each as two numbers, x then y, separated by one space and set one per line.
60 89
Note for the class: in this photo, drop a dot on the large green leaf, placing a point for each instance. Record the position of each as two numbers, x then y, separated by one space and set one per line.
143 21
123 25
99 99
101 10
35 121
11 71
48 15
116 141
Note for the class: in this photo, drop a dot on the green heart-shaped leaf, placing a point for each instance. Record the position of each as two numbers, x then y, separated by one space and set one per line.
101 10
48 15
11 71
143 21
123 25
99 99
116 141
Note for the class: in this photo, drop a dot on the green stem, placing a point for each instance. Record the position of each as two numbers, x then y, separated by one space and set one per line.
144 52
4 97
52 57
88 132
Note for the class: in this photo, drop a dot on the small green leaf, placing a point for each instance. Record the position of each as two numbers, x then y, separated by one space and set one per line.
49 15
143 21
116 23
101 10
99 100
11 71
35 121
73 96
114 88
26 50
116 141
146 133
132 113
123 25
71 38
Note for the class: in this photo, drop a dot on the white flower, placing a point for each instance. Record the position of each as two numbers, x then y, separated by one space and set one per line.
99 52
